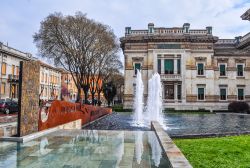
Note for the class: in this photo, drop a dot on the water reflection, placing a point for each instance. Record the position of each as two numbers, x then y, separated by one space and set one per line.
43 144
91 148
156 148
138 146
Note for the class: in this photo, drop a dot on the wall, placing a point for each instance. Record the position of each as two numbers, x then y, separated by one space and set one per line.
28 98
60 112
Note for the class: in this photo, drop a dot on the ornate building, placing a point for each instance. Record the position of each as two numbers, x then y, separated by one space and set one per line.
198 70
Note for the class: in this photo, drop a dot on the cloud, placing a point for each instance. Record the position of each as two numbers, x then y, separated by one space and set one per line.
21 18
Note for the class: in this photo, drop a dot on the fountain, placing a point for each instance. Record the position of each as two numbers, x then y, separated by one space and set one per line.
154 102
153 108
138 100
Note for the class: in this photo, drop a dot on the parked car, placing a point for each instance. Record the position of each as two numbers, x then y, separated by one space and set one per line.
8 106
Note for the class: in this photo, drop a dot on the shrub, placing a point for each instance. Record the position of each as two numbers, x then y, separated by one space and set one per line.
238 107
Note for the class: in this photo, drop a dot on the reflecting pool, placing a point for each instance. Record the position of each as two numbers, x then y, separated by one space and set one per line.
182 124
86 148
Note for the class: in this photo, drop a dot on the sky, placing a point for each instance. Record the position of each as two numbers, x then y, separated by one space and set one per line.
20 19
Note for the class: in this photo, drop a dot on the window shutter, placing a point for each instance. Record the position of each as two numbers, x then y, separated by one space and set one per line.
240 92
3 68
137 66
222 68
200 90
223 92
169 65
200 66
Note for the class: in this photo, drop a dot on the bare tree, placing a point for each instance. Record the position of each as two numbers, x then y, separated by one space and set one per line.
77 44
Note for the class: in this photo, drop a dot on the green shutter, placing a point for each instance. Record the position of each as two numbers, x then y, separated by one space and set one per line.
240 68
169 65
200 90
222 68
200 66
137 66
240 92
223 92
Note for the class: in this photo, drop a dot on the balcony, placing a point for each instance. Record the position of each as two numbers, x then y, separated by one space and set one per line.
170 77
13 78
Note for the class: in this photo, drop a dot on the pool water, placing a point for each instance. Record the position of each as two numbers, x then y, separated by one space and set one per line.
181 124
87 149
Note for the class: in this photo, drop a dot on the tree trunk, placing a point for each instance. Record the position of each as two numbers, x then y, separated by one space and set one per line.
99 98
93 98
85 96
78 98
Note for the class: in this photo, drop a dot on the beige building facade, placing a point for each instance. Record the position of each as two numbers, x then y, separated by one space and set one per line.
50 82
198 70
9 66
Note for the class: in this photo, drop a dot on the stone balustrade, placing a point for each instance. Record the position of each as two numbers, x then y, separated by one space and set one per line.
172 77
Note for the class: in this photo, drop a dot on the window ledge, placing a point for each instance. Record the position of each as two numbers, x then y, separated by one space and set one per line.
240 77
222 76
200 76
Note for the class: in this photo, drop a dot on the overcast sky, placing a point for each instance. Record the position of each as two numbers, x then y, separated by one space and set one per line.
20 19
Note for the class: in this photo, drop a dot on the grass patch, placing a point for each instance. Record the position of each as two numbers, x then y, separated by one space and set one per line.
187 112
119 108
223 152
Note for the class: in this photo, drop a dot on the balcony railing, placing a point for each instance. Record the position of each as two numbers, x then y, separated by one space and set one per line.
13 77
170 77
245 37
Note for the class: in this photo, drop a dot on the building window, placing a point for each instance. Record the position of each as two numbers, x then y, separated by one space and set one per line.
3 88
13 70
134 89
137 67
159 66
222 70
200 68
201 95
239 70
240 94
17 70
41 77
223 94
178 66
169 66
4 68
179 92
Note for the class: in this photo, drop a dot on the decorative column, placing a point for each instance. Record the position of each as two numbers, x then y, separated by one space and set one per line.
175 64
175 92
162 67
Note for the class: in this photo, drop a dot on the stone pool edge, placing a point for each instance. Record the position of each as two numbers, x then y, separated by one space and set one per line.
70 125
174 154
